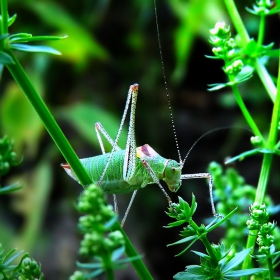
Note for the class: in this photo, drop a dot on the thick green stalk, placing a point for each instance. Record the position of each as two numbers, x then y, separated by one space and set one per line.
138 265
237 21
5 16
266 165
203 237
51 125
261 30
245 112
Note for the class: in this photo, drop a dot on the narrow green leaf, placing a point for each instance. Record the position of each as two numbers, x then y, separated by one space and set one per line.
40 49
111 222
213 87
25 37
184 240
202 255
236 260
89 265
5 58
273 53
131 259
117 253
193 205
12 19
222 220
175 224
4 36
19 36
244 272
243 155
13 257
95 273
10 189
195 269
188 276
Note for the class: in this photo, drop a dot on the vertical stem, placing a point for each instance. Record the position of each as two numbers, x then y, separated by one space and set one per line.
51 125
245 112
4 22
245 39
266 165
5 16
261 31
237 21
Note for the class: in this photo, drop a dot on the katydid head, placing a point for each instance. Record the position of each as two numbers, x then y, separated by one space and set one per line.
172 175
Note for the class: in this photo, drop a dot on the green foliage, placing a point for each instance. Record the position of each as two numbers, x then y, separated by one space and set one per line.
7 160
98 243
26 269
220 262
15 41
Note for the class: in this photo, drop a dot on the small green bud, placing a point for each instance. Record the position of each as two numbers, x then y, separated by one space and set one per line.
229 70
264 3
255 140
234 68
264 250
218 51
253 225
220 30
230 44
117 238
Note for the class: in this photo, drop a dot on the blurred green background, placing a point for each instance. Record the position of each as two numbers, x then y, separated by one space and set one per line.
111 45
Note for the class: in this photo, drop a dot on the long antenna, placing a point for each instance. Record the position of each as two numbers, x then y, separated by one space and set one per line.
166 87
214 130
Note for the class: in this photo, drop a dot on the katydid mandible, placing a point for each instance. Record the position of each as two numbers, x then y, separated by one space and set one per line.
123 171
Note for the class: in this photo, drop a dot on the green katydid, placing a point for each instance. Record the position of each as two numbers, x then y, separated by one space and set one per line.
123 171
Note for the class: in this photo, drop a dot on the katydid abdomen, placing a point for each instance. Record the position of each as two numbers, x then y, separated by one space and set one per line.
113 181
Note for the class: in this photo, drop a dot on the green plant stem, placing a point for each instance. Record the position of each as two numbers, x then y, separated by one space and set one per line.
202 233
270 267
138 264
266 165
266 80
245 39
245 112
51 125
5 16
108 268
261 30
237 21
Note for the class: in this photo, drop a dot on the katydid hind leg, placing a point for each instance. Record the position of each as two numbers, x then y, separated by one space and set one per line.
129 166
114 143
100 129
203 176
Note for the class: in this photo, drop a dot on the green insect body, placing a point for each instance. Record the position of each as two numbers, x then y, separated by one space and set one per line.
123 171
113 181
